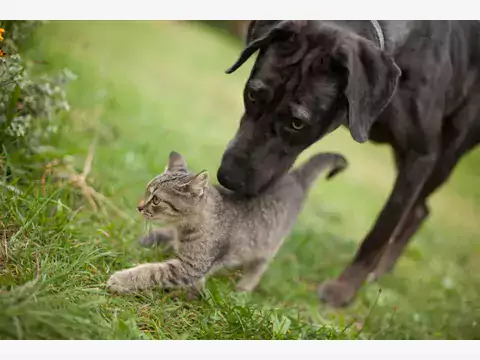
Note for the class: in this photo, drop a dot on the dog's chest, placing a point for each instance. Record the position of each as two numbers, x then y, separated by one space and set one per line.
381 133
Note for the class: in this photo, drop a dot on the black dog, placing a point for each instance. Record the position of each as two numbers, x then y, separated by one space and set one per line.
412 84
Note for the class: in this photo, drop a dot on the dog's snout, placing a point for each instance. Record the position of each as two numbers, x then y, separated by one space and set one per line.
227 179
231 174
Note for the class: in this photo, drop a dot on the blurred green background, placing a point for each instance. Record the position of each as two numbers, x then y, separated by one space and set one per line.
144 88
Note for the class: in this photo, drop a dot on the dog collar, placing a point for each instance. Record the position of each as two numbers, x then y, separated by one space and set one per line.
378 33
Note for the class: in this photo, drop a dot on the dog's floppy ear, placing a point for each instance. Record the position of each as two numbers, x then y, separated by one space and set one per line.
372 80
259 34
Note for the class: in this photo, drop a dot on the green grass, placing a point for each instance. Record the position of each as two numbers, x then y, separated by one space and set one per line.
145 88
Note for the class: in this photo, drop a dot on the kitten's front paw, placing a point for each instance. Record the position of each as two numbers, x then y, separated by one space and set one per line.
157 237
193 294
149 240
121 282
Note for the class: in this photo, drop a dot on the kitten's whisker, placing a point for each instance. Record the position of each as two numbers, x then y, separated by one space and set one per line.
148 226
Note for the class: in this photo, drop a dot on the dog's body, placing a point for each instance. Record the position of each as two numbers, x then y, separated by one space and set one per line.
412 84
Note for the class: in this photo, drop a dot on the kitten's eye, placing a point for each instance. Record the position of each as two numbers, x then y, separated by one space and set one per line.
155 200
251 96
297 124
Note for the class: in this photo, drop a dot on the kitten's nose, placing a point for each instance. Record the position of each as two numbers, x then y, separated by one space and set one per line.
140 206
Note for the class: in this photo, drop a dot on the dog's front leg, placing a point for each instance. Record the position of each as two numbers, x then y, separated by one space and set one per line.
410 180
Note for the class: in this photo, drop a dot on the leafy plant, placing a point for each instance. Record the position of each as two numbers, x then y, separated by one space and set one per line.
30 105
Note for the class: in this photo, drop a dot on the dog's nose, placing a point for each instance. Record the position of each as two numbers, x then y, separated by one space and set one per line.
226 179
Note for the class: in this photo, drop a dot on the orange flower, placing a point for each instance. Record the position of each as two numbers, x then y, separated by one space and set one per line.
1 53
1 32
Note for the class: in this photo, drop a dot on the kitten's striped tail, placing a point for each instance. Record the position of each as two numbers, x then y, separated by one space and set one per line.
308 172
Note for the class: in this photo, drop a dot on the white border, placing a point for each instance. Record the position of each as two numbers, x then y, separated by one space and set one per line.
232 350
238 9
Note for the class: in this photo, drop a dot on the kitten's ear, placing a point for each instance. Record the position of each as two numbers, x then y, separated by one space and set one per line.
176 162
199 183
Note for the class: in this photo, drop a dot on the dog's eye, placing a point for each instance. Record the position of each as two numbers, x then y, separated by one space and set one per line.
251 96
292 38
287 36
287 44
156 200
297 124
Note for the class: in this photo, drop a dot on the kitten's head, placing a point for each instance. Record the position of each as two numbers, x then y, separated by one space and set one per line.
174 194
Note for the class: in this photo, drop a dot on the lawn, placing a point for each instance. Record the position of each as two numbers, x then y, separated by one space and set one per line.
146 88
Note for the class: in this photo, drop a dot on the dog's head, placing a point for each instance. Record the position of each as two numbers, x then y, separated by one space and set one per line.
308 79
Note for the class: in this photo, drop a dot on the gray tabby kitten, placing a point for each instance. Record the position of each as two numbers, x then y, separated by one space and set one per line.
213 228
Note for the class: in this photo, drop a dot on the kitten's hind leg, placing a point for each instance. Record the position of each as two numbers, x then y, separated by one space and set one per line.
196 289
162 236
252 276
